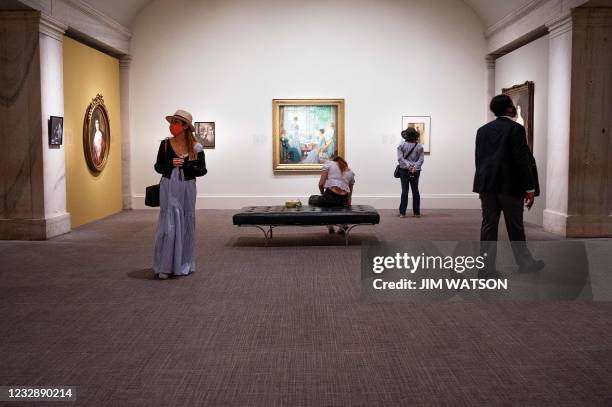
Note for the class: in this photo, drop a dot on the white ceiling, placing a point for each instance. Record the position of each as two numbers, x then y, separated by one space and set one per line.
489 11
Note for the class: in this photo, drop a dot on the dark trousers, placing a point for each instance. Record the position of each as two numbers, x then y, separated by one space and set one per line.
410 182
328 199
493 205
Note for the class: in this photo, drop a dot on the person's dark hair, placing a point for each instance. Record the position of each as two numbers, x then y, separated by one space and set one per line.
343 165
500 105
411 135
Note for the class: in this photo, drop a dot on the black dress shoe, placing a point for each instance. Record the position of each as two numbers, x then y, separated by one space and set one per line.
486 274
533 267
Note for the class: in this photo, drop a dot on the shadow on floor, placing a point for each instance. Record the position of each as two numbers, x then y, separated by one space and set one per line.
143 274
300 240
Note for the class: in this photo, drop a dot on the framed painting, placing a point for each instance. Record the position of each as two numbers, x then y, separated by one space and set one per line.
56 131
96 135
522 97
205 132
423 125
306 133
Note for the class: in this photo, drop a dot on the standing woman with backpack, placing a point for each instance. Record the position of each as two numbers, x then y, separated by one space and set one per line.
180 159
410 156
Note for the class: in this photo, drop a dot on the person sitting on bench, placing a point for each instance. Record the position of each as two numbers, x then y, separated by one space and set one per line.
336 186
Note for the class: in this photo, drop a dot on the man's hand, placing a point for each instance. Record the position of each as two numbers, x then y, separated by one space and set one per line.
529 199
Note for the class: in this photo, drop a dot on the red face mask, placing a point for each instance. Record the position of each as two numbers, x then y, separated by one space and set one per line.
176 129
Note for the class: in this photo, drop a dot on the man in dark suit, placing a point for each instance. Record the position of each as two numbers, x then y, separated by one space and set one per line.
504 181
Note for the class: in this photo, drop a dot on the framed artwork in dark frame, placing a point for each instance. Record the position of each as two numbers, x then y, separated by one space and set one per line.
56 131
205 133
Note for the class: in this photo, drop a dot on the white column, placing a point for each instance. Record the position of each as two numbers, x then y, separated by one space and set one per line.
124 74
51 37
33 186
558 138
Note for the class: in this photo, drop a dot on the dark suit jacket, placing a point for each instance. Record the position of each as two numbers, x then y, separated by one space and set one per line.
503 159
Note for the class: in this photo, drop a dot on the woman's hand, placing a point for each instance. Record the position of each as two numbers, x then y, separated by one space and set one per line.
178 162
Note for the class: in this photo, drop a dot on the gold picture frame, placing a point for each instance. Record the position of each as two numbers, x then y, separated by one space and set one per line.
306 133
523 96
96 135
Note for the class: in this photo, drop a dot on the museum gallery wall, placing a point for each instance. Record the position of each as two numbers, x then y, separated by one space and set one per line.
240 56
93 190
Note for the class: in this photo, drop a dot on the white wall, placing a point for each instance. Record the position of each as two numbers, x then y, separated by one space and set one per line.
530 63
225 61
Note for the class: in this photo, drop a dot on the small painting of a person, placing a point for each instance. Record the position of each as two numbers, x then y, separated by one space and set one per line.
519 117
98 144
294 141
56 135
313 154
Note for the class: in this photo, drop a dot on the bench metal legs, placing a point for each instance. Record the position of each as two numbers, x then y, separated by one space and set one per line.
347 232
268 232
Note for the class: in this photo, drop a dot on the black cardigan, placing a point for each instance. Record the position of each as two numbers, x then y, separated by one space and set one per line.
191 168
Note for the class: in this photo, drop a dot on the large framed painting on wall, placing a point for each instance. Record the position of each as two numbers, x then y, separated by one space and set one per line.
96 135
423 125
522 96
306 133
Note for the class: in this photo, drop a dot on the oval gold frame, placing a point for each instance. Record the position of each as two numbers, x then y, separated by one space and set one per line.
96 103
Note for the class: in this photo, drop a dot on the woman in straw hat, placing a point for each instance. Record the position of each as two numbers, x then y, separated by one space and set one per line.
180 159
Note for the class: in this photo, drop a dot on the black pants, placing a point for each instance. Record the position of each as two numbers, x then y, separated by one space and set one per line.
493 205
328 199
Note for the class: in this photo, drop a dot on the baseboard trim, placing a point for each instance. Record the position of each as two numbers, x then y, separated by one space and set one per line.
555 222
428 201
34 229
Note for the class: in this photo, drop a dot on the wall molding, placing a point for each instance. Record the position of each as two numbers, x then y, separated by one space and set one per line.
559 26
527 24
513 17
51 27
108 21
94 28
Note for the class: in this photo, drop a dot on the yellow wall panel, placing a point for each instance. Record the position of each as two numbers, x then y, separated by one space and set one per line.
88 72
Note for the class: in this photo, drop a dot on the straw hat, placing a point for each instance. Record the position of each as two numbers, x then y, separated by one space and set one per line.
184 116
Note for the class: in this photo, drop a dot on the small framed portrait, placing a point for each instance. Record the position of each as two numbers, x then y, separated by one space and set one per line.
306 133
56 131
522 97
423 125
96 135
205 132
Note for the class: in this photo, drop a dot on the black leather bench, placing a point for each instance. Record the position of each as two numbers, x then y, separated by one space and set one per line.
274 216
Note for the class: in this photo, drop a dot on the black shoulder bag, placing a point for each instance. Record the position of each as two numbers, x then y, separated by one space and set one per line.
152 191
396 174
